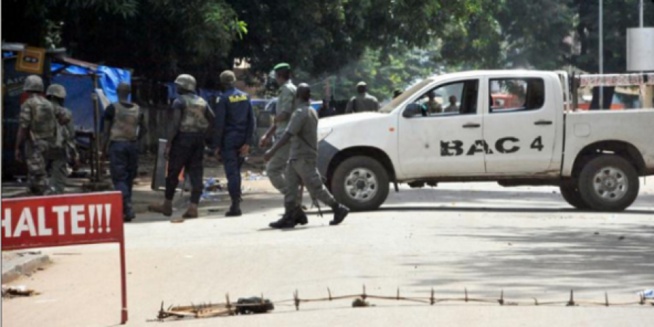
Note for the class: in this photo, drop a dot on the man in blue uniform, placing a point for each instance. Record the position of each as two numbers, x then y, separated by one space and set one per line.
234 131
124 126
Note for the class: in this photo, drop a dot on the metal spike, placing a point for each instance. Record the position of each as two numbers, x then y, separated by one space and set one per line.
432 300
501 300
535 301
330 293
296 299
606 298
229 305
398 293
364 296
571 302
642 298
466 292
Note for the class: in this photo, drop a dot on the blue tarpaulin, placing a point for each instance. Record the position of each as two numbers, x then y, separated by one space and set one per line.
78 82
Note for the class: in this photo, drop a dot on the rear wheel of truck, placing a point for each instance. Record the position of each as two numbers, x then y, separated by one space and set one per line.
571 194
608 183
361 183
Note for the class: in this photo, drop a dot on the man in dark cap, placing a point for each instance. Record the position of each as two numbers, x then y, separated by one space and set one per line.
234 129
302 132
362 101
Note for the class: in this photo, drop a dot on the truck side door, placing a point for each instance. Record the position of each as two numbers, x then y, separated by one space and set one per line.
522 129
438 130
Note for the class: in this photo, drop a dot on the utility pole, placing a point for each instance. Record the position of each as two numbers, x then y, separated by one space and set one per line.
601 50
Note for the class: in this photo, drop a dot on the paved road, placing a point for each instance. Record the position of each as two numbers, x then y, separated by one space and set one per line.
525 241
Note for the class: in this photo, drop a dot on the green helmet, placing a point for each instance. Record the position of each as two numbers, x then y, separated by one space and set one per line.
33 83
185 82
56 90
227 77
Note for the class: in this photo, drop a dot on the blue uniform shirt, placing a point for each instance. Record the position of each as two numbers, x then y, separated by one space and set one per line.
234 119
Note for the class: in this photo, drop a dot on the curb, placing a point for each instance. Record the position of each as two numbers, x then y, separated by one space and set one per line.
24 265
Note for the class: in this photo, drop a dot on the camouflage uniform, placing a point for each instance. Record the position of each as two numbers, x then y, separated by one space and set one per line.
275 168
37 115
63 150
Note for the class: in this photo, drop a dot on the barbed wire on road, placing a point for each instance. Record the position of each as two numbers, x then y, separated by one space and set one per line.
261 305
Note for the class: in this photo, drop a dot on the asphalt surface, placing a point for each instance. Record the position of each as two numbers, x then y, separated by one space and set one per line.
526 242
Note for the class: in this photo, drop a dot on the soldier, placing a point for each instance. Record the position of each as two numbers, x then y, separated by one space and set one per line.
431 106
37 125
234 131
123 127
303 135
276 167
362 101
63 150
190 123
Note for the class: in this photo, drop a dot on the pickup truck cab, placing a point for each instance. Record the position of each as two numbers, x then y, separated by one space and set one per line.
595 157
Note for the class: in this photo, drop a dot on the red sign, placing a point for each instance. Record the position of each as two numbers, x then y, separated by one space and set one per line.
65 220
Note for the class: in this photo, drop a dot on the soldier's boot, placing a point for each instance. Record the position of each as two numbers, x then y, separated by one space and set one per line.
300 217
166 208
191 212
340 212
128 213
288 220
234 209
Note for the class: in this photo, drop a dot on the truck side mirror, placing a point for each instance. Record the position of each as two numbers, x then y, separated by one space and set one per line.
412 110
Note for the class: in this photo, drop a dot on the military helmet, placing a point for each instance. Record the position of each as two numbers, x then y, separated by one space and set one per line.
56 90
227 77
186 82
33 83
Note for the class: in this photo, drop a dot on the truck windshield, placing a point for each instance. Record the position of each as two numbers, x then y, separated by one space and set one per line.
405 95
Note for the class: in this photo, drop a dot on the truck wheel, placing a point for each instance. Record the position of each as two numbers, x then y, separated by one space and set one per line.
608 183
571 194
361 183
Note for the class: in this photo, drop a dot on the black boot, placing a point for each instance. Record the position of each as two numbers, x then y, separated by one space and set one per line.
288 220
300 217
340 212
234 209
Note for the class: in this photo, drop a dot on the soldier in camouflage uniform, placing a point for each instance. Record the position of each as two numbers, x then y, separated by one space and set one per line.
63 150
37 126
124 125
302 132
362 101
190 126
276 167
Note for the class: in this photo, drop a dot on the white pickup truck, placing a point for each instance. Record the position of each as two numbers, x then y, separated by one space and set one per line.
513 127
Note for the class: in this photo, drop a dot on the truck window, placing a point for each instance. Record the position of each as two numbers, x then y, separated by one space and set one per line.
516 94
456 98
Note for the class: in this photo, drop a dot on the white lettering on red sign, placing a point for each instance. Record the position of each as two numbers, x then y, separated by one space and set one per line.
71 219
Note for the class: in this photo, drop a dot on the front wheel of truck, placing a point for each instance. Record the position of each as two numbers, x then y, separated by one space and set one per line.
361 183
570 192
608 183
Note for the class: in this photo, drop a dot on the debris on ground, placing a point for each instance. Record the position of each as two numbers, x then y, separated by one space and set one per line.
212 190
647 294
244 306
15 291
250 176
360 303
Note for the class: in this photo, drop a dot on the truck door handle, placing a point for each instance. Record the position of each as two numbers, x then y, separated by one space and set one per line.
471 125
543 122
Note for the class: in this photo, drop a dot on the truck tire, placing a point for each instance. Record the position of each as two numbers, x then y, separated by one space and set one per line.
571 194
361 183
608 183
